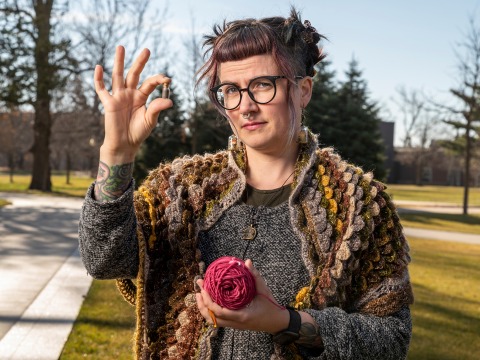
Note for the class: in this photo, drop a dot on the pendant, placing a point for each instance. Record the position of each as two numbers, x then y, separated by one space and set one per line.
249 233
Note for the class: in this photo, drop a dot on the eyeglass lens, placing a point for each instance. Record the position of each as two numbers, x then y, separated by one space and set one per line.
261 90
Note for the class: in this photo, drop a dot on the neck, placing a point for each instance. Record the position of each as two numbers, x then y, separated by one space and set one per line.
270 171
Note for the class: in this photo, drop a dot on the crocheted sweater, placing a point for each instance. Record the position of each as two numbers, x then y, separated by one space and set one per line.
344 256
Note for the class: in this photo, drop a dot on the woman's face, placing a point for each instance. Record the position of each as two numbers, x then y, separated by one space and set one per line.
267 128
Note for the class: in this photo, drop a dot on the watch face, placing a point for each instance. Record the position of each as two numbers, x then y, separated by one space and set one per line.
285 337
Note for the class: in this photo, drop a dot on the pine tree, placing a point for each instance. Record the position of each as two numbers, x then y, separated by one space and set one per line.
348 119
322 112
212 130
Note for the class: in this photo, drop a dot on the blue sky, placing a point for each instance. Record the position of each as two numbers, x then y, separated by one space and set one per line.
409 42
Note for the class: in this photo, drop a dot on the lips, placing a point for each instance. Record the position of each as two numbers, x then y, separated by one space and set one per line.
253 125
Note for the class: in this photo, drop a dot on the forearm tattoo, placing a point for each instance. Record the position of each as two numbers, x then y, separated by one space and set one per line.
309 336
112 181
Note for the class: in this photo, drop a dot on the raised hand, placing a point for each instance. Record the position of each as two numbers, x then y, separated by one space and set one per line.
128 122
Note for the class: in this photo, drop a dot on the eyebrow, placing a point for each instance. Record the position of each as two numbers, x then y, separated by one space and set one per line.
235 83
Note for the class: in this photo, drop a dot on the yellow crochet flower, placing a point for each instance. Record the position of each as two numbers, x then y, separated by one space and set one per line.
328 192
321 169
151 210
333 206
339 225
325 180
301 295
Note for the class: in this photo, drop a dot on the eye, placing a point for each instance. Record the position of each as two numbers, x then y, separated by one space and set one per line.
229 90
261 84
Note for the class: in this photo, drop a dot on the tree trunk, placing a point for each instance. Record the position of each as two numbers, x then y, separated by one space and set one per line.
467 168
11 166
41 150
43 121
68 167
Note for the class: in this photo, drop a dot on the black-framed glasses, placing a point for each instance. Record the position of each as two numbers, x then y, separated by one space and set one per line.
261 89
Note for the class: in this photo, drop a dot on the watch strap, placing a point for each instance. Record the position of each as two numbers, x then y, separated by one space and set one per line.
295 321
292 333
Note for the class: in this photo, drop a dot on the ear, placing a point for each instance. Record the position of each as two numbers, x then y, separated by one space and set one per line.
305 85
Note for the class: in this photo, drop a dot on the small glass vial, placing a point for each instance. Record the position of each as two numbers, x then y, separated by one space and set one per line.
166 91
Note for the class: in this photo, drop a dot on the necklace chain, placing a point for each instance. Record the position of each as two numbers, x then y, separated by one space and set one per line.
251 231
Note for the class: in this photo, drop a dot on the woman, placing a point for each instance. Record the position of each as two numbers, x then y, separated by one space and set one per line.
324 236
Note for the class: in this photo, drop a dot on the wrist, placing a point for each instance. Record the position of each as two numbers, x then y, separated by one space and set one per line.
112 181
281 322
112 157
291 333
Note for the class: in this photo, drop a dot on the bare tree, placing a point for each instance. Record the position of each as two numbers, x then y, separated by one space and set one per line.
419 124
412 105
466 115
72 141
16 137
35 61
192 63
104 25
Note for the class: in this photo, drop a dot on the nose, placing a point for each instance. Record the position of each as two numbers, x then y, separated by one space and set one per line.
246 102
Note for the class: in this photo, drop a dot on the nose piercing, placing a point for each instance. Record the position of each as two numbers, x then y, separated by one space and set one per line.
246 116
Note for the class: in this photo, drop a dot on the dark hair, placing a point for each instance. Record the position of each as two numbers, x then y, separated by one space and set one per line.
292 44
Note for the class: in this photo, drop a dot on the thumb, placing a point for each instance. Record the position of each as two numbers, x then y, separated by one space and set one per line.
260 283
155 107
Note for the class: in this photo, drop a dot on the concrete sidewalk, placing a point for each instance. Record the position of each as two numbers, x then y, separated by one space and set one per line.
43 282
442 235
434 207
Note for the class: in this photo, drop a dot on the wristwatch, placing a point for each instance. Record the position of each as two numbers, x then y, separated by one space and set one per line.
292 333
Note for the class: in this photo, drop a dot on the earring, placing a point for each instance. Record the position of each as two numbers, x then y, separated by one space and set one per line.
303 135
232 143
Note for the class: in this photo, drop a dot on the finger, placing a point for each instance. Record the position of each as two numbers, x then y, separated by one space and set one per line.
260 283
207 313
133 75
209 303
118 68
154 109
151 83
100 89
256 274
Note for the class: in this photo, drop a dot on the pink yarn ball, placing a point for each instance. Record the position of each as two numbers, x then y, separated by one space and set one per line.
229 283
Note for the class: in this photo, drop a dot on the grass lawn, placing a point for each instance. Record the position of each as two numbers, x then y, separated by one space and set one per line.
77 187
446 313
441 194
104 328
4 202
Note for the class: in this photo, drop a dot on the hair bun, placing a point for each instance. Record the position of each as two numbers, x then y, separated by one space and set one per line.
310 35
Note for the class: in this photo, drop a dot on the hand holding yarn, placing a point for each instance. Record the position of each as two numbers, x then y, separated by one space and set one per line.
229 283
227 290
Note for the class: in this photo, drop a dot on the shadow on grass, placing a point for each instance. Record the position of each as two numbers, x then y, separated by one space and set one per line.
441 329
106 323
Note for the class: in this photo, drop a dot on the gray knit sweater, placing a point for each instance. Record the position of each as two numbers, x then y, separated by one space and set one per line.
109 250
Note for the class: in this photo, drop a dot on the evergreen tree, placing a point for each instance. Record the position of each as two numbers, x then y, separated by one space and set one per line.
212 130
348 120
322 112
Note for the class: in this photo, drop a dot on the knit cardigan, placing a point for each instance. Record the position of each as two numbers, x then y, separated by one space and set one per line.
352 245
